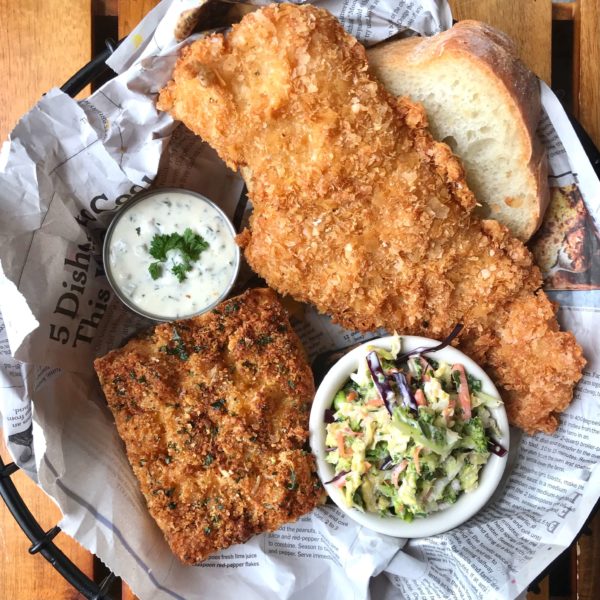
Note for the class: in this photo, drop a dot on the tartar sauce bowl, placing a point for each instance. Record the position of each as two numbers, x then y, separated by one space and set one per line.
467 505
178 284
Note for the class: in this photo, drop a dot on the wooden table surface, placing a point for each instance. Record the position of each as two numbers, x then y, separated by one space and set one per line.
42 44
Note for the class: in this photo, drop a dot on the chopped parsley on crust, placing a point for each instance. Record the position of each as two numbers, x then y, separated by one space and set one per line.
214 412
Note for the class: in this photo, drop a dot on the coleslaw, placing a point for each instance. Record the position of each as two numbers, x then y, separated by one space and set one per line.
409 435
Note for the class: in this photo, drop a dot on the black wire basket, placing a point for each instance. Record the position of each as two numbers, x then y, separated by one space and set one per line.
42 541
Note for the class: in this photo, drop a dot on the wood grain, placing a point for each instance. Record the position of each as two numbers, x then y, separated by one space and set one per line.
131 13
127 594
588 24
41 46
527 22
25 577
575 62
543 593
563 11
105 8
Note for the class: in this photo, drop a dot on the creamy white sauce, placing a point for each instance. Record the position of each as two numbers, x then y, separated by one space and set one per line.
165 213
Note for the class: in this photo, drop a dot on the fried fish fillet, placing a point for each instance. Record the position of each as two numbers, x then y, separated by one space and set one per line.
359 211
214 414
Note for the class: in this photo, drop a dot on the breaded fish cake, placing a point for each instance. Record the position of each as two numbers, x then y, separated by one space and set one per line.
214 412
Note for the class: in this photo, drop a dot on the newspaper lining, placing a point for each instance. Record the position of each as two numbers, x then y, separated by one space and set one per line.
67 168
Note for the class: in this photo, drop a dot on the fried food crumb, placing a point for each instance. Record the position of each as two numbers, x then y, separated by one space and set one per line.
214 413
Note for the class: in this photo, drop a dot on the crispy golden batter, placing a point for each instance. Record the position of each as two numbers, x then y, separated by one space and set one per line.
358 210
214 414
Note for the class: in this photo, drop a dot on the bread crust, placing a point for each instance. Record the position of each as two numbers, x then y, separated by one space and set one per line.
493 52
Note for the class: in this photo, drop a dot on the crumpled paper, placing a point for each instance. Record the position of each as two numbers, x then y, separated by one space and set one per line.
65 171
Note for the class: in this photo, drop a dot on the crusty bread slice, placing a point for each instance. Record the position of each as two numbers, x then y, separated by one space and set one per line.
485 104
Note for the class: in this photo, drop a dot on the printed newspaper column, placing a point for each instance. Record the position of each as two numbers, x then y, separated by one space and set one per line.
15 409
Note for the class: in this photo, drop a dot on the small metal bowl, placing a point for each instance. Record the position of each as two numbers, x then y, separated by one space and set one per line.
141 197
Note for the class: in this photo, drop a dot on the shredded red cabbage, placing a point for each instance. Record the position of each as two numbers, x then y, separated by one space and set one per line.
496 448
380 380
338 476
408 399
425 365
328 416
418 351
386 464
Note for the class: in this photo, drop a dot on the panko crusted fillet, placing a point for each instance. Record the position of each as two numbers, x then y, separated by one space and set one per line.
214 414
359 211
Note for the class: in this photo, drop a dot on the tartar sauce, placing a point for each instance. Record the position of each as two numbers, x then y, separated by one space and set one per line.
164 212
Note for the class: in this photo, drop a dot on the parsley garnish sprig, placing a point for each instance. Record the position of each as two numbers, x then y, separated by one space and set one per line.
190 245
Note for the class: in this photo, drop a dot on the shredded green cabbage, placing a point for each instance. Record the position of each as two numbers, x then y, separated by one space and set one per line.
412 462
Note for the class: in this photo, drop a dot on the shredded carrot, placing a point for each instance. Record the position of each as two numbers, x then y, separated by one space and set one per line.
339 483
339 438
464 397
420 398
351 433
374 402
416 452
351 396
397 470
